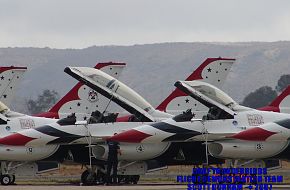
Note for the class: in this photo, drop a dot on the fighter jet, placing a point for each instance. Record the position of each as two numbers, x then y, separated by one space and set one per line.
80 100
123 95
70 134
230 130
221 66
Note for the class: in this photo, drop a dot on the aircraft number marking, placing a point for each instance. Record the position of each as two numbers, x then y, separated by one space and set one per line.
26 123
29 150
259 146
255 119
140 148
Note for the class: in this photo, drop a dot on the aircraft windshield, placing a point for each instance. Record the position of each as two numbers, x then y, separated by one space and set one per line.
3 107
7 112
114 90
211 92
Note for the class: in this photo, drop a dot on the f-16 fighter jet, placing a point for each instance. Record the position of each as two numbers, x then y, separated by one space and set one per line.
176 153
20 160
230 130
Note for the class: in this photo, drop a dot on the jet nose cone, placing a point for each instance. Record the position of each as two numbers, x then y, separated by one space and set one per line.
15 140
131 136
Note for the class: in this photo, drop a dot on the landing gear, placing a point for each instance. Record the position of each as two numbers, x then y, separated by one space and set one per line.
12 179
101 177
5 180
5 177
88 177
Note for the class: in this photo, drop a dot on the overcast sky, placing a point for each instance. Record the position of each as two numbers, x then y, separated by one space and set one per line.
83 23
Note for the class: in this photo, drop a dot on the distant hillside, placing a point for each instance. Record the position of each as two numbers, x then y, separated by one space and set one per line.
153 68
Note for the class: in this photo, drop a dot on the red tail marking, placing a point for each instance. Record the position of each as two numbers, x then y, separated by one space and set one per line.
275 105
72 94
2 69
196 75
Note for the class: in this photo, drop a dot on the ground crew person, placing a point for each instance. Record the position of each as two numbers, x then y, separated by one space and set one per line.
112 162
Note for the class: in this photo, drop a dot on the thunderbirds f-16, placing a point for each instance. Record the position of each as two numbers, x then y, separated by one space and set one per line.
163 154
223 111
80 100
230 130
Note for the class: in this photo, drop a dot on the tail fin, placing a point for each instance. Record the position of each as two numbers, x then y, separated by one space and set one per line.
81 99
9 79
281 103
212 70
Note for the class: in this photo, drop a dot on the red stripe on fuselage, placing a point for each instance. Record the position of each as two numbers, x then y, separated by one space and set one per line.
254 134
131 136
15 140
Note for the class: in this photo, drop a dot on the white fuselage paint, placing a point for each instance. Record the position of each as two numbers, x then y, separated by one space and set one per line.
20 153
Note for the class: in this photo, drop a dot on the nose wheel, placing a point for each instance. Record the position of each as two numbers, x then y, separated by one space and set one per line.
88 178
6 180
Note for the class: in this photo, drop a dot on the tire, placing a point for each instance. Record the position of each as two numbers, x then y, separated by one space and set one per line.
5 180
88 178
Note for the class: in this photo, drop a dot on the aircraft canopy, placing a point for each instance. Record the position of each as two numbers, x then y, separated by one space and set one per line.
114 90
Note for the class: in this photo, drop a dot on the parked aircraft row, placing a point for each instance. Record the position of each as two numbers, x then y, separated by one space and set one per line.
73 102
215 120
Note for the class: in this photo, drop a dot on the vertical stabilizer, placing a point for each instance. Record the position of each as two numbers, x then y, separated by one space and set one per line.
213 71
81 99
281 103
9 79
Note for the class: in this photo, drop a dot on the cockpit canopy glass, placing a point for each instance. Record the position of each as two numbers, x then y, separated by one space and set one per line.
211 92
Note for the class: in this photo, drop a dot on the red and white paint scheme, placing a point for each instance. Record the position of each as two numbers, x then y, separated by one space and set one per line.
12 122
213 71
232 131
118 92
9 79
70 103
83 100
281 103
219 126
73 102
80 99
224 123
123 94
